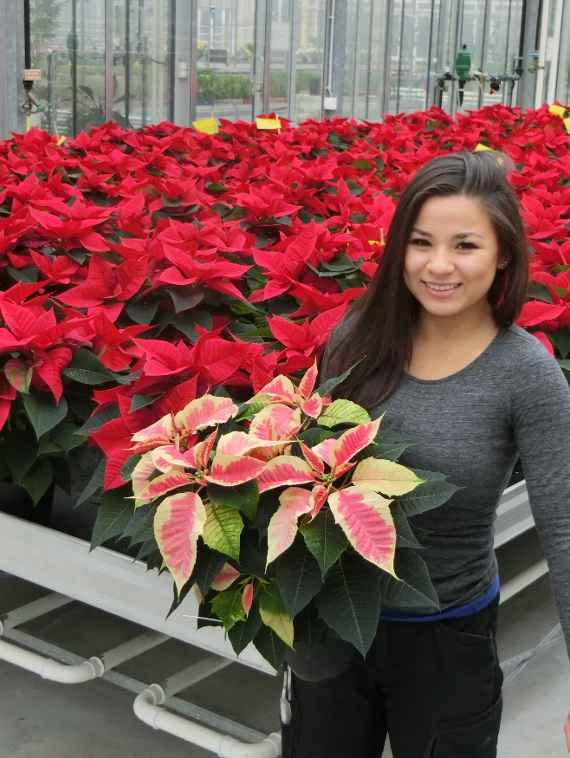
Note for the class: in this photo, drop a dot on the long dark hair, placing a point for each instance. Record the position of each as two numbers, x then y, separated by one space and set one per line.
380 324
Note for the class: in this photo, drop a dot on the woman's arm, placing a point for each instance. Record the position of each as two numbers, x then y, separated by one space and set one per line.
541 419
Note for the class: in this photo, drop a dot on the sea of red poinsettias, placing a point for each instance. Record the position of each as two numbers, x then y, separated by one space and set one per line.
139 269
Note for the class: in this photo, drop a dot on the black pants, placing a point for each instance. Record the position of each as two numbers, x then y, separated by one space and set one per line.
434 687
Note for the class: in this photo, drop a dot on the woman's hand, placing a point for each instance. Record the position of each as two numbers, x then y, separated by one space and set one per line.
567 732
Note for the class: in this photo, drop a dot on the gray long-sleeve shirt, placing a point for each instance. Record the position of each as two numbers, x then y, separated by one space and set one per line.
512 400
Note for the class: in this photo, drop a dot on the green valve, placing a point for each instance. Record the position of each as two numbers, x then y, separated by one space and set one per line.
463 64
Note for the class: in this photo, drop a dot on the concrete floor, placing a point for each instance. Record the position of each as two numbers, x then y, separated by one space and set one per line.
39 719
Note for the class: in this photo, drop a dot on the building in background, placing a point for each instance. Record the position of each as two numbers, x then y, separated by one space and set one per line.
144 61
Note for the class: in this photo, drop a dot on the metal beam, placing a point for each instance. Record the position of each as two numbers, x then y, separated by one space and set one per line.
11 66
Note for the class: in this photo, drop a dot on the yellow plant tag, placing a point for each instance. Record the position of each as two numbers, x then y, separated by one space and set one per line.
557 110
481 147
61 140
206 125
567 124
267 123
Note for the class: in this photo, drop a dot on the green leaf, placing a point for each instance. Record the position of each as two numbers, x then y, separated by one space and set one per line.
274 615
242 497
142 311
185 298
325 539
209 563
79 255
404 532
61 474
223 529
388 446
113 515
244 632
363 164
48 447
298 577
251 558
95 483
270 647
186 324
429 495
18 374
44 415
141 401
97 420
28 274
66 436
228 607
343 412
538 291
328 386
414 590
86 368
561 339
129 466
141 526
19 450
350 600
179 597
151 548
315 435
38 480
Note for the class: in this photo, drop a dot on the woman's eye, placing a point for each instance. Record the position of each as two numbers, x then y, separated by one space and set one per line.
419 242
468 245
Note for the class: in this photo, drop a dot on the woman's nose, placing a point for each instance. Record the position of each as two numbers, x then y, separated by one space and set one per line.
440 262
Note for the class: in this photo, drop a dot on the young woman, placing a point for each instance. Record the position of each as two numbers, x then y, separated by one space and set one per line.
474 392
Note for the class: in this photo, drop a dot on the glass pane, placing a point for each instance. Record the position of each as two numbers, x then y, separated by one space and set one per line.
141 62
350 57
280 56
68 40
472 33
563 82
377 47
226 44
415 49
362 59
310 47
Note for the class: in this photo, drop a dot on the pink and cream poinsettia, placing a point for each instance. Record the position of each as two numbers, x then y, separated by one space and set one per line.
181 465
181 518
359 509
282 390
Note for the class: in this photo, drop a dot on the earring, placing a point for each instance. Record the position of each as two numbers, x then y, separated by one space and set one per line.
503 264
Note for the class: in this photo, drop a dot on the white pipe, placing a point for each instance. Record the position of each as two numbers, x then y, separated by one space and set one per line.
78 673
132 648
195 673
32 610
47 668
147 708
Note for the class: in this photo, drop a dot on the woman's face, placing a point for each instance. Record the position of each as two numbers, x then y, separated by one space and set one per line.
451 259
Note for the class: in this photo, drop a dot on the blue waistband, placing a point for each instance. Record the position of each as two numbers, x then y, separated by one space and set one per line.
451 613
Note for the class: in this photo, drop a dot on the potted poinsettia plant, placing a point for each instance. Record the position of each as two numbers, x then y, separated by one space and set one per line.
285 511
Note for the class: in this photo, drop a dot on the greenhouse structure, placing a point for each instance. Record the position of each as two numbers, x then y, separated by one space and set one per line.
191 193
